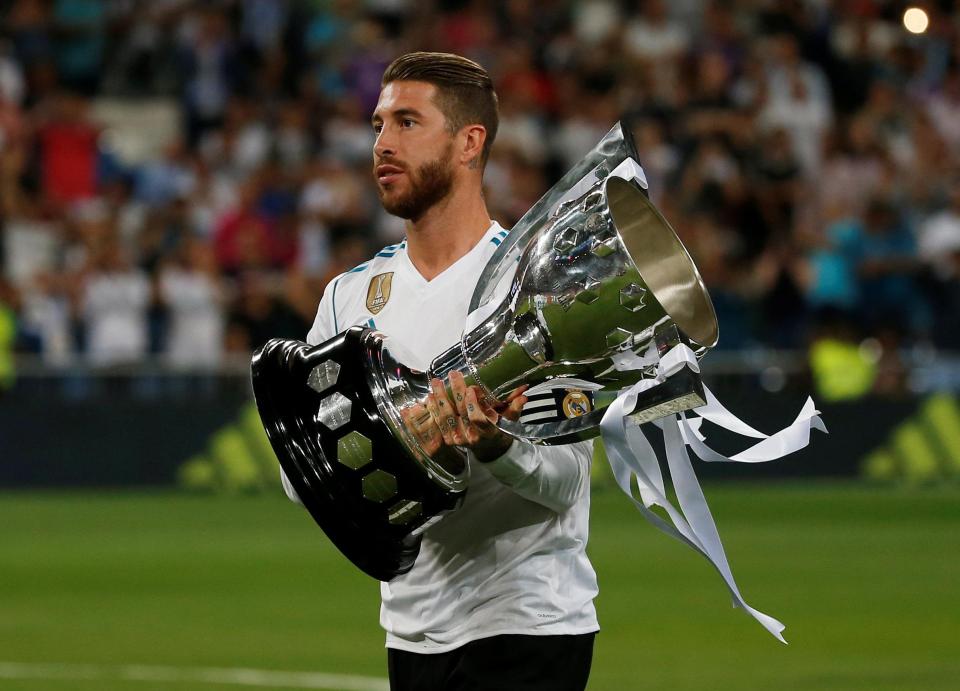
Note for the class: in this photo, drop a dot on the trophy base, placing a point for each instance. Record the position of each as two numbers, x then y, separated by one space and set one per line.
360 485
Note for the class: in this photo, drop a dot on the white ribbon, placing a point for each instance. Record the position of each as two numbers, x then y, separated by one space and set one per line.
629 360
631 456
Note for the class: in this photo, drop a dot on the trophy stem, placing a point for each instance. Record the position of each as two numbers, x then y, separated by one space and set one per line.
497 355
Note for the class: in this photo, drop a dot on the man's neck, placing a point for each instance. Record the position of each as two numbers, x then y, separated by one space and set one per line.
447 232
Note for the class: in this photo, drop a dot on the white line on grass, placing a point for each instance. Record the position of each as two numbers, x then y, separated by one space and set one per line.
211 675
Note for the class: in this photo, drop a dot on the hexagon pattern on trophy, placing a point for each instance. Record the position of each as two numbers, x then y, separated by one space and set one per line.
632 297
604 248
354 450
566 240
590 291
591 200
378 486
334 411
617 337
323 376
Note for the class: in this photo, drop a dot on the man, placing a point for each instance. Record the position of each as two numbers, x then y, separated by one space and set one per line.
501 594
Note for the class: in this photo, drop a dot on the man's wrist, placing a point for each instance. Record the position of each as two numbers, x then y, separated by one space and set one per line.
491 450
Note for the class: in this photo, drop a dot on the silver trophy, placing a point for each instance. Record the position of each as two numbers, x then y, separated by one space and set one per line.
586 291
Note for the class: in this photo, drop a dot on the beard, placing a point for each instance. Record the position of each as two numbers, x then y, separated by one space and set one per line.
428 184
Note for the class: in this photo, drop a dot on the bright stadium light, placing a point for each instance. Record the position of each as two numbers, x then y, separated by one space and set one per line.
915 20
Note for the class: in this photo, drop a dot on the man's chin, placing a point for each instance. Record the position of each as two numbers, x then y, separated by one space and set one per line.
396 205
411 197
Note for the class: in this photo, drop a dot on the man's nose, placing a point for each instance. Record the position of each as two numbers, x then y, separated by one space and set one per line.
386 143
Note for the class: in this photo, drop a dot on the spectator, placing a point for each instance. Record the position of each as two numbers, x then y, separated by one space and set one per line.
661 160
803 117
595 21
163 180
47 316
939 248
652 36
80 28
12 83
347 135
29 24
260 314
884 254
777 173
68 151
711 110
944 110
853 168
209 66
8 334
114 302
939 237
191 291
242 238
581 128
242 144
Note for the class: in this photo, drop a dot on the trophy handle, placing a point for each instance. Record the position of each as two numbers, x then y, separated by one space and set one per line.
680 391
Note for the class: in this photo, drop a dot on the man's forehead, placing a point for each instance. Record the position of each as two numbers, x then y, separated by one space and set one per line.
406 95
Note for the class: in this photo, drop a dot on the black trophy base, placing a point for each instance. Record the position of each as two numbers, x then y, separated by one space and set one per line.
359 484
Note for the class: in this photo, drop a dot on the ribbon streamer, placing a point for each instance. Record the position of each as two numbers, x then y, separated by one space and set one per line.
632 458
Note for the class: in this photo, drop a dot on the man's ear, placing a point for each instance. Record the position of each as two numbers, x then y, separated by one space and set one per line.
473 138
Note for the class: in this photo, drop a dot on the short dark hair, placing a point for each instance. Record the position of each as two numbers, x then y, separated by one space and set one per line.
465 92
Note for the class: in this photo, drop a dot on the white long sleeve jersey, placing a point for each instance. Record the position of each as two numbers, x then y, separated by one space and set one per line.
512 559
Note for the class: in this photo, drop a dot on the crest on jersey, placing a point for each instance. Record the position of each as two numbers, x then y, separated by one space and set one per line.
379 292
576 403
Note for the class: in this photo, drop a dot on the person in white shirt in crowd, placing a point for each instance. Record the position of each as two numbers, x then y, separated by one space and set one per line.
114 301
653 35
501 594
192 292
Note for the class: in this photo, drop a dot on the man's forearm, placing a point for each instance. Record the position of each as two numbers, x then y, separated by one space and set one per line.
553 476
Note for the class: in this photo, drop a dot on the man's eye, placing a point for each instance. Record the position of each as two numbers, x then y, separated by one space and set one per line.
407 123
377 128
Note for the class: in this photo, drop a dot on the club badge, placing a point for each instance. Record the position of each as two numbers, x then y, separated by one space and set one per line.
379 292
576 403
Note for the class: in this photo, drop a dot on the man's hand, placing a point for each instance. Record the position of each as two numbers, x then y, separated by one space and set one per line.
467 420
419 421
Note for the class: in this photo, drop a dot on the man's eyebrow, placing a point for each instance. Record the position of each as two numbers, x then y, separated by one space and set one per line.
398 113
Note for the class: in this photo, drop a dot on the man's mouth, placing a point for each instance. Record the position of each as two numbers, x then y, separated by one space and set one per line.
387 173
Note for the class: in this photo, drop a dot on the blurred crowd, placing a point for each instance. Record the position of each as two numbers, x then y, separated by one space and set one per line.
807 152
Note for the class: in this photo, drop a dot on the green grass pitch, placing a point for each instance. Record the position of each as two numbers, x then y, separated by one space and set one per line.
867 581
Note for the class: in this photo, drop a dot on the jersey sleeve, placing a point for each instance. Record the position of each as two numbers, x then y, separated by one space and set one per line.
325 324
553 476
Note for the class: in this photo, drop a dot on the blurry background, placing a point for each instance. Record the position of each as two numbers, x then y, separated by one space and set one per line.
179 181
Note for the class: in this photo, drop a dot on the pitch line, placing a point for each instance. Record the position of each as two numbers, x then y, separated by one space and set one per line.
212 675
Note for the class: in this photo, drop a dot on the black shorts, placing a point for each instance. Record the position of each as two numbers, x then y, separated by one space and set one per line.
498 663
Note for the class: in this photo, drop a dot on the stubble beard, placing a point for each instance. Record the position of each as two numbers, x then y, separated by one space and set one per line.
430 184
